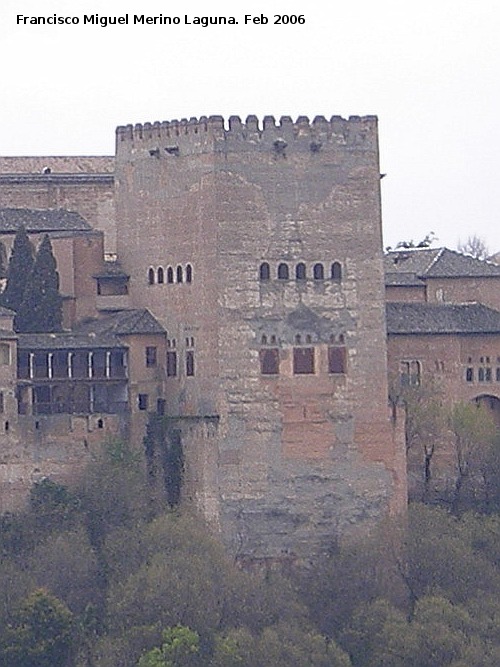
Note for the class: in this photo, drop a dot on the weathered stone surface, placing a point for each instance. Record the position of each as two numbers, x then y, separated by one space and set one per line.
295 460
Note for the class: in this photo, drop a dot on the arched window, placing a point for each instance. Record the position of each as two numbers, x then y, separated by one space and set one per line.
189 273
160 275
336 272
151 276
263 340
179 274
318 272
300 271
283 272
264 271
170 275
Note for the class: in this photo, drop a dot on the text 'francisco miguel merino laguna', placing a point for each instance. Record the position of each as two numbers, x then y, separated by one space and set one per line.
126 19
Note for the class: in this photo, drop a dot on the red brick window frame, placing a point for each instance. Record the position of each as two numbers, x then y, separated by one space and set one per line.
269 361
303 361
337 360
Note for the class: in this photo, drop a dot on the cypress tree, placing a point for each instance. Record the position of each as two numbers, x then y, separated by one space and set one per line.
19 270
41 307
3 261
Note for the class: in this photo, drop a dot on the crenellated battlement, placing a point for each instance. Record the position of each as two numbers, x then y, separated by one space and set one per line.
167 136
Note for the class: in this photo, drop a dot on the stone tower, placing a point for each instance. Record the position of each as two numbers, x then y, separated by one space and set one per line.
259 249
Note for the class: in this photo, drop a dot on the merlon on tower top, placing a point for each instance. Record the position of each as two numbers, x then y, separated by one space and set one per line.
356 130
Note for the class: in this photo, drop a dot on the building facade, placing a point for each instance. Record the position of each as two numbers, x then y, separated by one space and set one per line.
256 248
443 326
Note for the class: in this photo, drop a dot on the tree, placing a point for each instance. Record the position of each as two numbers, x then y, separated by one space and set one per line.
475 246
426 242
42 634
474 432
41 308
180 646
19 271
4 263
424 428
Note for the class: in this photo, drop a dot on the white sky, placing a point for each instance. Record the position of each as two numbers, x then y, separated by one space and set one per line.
428 69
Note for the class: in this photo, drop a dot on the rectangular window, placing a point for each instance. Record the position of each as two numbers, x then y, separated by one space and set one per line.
487 375
469 374
480 374
142 401
303 361
269 361
190 363
410 373
171 364
336 360
4 354
2 409
498 375
150 356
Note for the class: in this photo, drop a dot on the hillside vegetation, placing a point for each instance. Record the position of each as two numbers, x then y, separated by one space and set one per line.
101 576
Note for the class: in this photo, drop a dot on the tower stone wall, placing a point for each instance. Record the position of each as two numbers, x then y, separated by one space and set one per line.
255 243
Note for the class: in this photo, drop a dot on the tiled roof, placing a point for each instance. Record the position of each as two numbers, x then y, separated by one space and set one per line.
66 341
112 270
430 318
416 264
43 220
403 280
453 264
125 322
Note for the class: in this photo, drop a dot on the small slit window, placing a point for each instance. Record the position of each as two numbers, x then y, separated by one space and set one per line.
189 273
171 363
160 275
180 276
318 271
190 363
170 275
264 271
151 356
300 271
4 354
283 271
151 276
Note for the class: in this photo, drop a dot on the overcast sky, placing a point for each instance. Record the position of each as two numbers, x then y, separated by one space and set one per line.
429 70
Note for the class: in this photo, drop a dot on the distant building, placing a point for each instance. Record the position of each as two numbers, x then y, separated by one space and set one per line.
443 326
